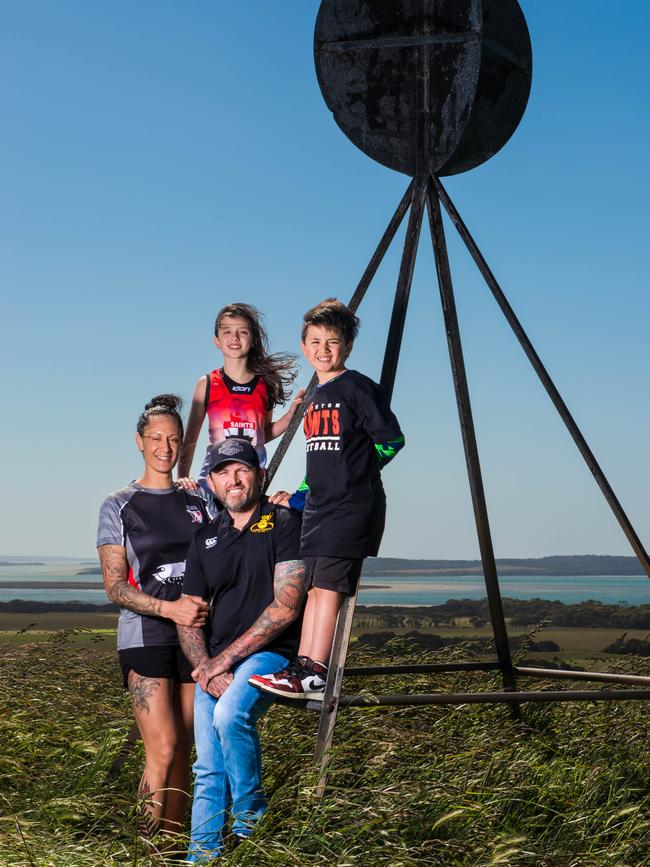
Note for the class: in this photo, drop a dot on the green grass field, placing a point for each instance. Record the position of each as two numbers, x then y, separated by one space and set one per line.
564 785
579 645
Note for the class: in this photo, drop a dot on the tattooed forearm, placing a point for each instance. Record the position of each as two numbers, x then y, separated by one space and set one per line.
112 559
289 590
142 689
193 644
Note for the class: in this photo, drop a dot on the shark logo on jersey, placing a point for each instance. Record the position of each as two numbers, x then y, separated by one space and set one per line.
211 542
195 514
170 573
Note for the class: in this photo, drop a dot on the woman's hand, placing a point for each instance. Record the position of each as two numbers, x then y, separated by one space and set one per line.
280 498
187 611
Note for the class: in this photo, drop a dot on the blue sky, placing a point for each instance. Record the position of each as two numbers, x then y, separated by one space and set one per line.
161 159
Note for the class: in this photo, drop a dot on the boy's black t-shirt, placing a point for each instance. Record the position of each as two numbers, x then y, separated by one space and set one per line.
348 425
233 569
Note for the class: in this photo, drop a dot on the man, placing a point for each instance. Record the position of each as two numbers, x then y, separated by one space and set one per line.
246 563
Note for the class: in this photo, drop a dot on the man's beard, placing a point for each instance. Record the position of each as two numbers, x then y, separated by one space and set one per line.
250 500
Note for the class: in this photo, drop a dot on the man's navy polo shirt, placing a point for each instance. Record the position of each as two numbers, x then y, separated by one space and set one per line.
233 570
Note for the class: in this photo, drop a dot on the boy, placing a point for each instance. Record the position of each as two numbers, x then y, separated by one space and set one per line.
351 434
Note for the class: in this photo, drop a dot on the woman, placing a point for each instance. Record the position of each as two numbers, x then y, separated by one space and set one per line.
144 532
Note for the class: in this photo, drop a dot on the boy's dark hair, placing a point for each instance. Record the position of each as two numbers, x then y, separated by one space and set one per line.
277 370
332 313
162 404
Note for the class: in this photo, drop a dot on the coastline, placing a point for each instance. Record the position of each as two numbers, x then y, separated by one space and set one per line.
416 589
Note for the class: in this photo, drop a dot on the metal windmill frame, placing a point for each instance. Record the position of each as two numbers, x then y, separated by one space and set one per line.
426 192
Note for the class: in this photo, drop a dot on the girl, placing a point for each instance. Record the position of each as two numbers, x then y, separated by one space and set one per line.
239 397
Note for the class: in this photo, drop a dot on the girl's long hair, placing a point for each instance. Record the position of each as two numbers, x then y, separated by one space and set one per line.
278 369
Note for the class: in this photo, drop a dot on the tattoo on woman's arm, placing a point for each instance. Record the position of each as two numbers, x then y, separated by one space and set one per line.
115 571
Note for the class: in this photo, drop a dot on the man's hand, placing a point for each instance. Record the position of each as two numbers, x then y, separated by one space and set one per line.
280 498
186 611
209 669
219 684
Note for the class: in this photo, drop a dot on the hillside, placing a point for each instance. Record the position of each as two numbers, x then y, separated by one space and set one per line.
563 785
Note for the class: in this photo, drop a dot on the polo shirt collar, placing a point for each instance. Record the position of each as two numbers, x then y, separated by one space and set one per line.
225 521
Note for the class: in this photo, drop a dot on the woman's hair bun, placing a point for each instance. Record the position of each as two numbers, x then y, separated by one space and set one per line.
161 404
171 401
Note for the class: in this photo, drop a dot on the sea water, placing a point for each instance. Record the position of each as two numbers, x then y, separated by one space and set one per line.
383 590
436 589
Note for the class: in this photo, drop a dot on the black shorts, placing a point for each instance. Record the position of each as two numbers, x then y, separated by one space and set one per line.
156 661
333 573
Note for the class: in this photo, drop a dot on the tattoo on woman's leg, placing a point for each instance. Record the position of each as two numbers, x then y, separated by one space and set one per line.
142 689
148 825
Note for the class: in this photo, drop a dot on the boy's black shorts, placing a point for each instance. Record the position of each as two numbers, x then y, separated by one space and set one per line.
333 573
156 661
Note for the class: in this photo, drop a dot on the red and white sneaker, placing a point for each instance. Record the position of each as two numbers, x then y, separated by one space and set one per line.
304 678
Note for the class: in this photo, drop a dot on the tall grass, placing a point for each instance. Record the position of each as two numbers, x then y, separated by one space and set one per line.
565 784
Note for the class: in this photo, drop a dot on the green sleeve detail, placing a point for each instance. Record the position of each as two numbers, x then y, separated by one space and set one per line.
387 451
299 497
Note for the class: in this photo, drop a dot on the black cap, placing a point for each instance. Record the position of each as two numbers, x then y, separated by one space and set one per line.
233 449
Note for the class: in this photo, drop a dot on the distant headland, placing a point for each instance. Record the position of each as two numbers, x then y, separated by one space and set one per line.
574 564
571 564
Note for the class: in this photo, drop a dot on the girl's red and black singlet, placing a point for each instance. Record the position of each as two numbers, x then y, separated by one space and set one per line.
155 527
237 410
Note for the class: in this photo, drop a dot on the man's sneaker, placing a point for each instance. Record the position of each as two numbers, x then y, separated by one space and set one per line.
304 678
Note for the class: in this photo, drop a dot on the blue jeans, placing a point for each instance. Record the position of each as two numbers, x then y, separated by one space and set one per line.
228 769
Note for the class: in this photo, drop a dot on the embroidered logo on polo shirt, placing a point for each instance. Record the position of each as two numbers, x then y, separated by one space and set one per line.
211 542
264 524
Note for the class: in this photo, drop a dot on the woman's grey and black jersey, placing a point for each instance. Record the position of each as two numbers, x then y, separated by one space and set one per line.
155 527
